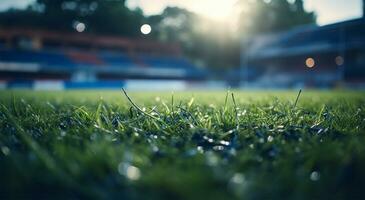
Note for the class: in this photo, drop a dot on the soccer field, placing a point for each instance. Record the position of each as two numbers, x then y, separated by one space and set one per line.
184 145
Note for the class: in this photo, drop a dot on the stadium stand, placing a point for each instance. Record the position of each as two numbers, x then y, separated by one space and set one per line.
87 61
337 52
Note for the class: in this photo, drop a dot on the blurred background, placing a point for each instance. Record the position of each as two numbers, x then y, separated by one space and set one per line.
182 44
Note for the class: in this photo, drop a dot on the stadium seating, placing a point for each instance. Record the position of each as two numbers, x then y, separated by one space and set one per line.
99 61
116 59
46 59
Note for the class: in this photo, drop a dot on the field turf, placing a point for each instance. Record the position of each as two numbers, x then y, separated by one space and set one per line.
186 145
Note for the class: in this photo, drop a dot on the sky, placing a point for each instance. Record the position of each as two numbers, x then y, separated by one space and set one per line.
328 11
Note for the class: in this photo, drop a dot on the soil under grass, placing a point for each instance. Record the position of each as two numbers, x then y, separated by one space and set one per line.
188 145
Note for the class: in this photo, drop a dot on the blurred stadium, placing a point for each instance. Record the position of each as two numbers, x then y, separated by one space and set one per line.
311 56
52 60
296 56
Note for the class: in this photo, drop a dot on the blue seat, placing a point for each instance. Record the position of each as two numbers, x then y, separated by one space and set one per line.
116 59
45 59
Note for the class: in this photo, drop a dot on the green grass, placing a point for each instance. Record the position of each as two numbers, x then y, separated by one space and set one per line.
189 145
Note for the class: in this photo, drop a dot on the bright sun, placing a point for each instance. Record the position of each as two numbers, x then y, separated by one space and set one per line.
215 9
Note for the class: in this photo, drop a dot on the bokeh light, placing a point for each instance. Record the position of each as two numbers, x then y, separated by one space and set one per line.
80 27
146 29
310 62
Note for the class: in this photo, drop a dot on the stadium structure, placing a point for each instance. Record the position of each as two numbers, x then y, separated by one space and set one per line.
53 60
313 56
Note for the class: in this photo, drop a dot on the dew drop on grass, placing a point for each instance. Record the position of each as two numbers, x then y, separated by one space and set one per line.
133 173
218 148
280 127
315 176
62 125
270 138
130 171
200 149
